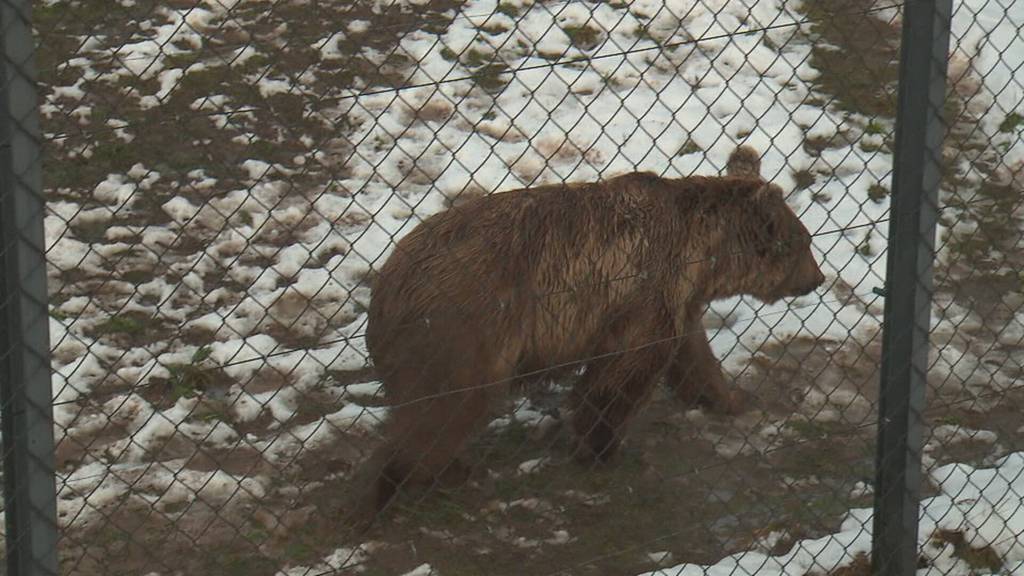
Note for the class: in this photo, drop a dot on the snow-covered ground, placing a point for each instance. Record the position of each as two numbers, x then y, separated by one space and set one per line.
988 33
984 505
508 95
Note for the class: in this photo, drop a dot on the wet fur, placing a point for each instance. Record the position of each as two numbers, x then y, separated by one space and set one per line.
618 272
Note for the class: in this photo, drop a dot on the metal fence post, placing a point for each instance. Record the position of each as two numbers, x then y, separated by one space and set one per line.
25 394
916 176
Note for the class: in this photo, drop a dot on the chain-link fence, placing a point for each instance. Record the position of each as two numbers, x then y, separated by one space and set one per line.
358 287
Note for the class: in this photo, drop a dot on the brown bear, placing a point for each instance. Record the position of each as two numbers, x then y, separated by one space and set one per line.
613 276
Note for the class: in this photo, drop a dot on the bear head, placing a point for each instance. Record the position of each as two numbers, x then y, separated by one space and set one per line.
768 248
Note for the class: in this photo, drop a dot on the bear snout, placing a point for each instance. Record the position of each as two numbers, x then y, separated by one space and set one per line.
803 279
819 279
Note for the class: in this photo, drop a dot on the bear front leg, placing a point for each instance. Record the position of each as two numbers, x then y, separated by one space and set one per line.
695 374
608 396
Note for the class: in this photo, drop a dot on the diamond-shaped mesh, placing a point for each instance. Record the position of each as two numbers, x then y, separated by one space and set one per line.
972 439
241 194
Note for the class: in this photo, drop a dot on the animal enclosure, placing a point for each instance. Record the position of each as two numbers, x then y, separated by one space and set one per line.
199 198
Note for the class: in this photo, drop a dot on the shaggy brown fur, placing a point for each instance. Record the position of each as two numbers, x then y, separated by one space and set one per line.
614 274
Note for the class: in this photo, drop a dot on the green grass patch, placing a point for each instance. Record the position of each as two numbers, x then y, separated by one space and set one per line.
491 78
1011 123
189 380
875 128
122 324
449 54
688 147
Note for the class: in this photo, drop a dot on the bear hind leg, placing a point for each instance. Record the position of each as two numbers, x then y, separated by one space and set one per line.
426 432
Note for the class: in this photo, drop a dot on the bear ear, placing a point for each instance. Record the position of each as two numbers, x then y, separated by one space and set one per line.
744 162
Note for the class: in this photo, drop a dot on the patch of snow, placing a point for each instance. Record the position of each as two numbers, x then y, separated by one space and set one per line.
422 570
96 486
340 559
358 26
983 504
532 466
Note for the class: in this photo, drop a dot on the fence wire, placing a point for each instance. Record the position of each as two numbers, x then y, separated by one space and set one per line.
232 189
